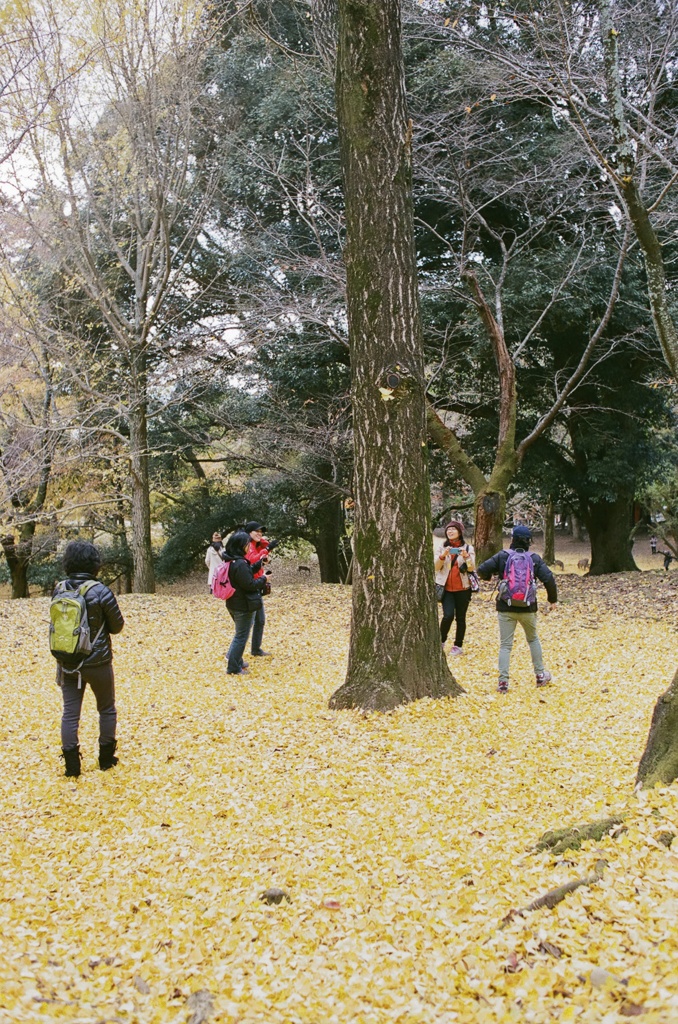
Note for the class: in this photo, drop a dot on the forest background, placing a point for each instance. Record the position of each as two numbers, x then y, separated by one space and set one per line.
177 195
174 349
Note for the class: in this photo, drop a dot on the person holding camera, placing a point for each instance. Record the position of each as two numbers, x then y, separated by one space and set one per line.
244 604
259 550
454 561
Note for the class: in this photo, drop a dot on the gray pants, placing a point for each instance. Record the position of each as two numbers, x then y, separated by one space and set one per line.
102 681
507 627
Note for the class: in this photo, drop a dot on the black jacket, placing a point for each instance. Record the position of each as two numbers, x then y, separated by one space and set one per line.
496 565
101 607
247 597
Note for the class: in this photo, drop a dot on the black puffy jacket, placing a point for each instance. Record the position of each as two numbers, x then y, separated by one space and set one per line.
247 597
101 607
496 565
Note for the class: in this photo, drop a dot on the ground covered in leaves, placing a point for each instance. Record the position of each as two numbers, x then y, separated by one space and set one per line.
402 842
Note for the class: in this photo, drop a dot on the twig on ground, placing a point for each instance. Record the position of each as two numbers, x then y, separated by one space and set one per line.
553 897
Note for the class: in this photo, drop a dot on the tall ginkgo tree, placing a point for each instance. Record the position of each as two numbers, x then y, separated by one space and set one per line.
395 652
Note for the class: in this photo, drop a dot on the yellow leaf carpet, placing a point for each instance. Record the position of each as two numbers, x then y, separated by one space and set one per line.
401 841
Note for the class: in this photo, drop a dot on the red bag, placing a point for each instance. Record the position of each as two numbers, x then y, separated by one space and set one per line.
221 584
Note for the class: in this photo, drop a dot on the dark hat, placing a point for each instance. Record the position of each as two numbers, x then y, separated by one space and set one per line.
251 527
522 533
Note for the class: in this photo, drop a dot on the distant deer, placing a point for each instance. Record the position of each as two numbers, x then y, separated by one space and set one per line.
583 563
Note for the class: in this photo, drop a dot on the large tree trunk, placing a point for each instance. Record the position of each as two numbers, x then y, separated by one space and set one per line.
659 763
490 513
395 653
577 531
549 533
609 525
122 549
328 530
18 559
142 550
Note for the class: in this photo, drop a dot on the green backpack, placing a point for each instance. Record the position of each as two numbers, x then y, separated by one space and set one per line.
69 634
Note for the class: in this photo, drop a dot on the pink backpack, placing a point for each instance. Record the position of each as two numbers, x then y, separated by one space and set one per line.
518 588
221 584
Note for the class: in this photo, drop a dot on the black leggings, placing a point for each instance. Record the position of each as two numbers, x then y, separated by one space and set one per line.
455 605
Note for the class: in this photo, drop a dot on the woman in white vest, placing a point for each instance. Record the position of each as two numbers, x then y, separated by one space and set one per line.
213 558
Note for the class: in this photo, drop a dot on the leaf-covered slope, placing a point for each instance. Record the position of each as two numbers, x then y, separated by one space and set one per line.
402 840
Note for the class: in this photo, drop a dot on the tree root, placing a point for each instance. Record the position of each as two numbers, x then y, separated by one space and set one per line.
659 763
561 839
553 897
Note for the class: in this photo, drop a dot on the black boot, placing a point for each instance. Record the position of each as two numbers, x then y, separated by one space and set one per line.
72 759
106 755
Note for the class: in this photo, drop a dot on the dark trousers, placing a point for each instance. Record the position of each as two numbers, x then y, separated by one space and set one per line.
102 682
258 628
455 605
243 624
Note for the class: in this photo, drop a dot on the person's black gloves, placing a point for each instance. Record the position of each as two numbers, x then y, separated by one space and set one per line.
273 544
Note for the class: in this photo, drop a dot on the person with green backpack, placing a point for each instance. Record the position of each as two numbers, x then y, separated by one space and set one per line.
83 615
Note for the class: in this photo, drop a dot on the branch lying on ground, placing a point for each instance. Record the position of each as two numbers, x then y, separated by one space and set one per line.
551 898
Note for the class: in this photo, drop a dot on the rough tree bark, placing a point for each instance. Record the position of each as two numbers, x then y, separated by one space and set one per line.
395 653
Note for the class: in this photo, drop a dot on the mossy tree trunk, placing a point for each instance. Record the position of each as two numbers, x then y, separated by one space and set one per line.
659 763
395 651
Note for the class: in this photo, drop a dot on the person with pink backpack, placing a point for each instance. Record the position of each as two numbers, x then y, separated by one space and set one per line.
235 584
518 570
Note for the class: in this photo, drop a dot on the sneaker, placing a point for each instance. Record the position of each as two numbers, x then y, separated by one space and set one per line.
503 686
456 650
261 654
544 678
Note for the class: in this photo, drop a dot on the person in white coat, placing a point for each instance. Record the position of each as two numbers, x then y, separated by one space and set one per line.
213 558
